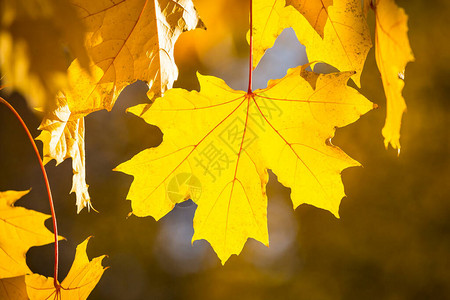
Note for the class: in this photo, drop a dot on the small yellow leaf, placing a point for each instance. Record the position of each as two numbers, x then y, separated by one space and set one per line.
226 142
20 229
316 12
83 276
392 53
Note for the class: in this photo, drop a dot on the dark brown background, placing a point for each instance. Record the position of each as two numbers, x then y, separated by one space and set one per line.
393 238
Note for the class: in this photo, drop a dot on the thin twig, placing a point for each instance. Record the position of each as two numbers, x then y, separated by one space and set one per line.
49 192
250 67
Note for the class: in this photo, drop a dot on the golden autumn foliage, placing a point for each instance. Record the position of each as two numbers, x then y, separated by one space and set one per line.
72 58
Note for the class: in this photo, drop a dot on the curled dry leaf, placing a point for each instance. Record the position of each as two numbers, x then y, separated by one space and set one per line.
228 139
316 12
63 137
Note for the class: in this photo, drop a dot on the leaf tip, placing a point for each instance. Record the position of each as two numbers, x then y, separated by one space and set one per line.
201 25
223 261
336 214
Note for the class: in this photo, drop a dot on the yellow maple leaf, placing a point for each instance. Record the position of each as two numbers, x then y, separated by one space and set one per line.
83 276
20 229
218 143
392 53
346 38
34 37
127 41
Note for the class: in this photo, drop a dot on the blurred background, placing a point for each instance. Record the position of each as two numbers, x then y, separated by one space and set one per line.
391 242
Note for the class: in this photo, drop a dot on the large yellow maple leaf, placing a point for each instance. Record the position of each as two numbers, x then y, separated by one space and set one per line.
34 37
336 34
20 229
127 40
392 53
83 276
218 144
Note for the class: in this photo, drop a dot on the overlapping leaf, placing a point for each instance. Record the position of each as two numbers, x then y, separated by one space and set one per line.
127 40
392 53
34 37
63 137
220 142
316 12
20 229
335 34
83 276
